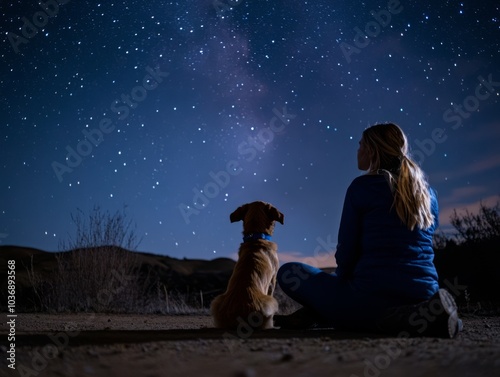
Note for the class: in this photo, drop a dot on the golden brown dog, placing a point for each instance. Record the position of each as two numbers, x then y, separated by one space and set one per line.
249 295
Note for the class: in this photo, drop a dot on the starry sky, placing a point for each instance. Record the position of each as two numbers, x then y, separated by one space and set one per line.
181 111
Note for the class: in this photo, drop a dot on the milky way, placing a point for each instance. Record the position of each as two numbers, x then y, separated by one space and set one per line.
182 111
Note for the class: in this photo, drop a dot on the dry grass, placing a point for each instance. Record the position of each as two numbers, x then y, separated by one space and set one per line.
96 273
99 279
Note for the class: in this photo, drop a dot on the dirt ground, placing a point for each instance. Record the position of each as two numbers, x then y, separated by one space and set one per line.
158 345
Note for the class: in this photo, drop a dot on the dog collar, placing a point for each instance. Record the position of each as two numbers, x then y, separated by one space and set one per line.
256 236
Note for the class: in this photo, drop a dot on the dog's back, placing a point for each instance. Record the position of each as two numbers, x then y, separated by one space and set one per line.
246 299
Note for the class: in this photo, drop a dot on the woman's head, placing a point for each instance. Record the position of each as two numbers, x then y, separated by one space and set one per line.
384 146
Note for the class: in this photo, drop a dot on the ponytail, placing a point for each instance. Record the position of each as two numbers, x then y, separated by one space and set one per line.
412 199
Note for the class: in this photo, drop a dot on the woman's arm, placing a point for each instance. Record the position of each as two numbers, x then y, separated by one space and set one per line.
349 239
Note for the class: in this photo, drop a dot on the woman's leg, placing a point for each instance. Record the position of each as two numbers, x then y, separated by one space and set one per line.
333 299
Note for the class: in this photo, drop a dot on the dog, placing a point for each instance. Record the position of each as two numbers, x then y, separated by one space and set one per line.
249 295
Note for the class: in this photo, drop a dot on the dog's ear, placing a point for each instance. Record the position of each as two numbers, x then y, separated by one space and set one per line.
239 213
276 215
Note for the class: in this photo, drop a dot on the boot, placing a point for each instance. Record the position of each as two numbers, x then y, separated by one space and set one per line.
436 317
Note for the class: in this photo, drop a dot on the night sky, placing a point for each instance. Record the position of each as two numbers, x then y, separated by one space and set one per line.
182 111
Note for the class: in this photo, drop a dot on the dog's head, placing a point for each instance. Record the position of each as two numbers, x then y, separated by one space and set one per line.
258 217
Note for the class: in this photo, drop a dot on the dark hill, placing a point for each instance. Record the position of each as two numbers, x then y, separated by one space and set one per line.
158 274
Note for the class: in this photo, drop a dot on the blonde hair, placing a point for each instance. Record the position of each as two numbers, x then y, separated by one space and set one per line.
387 147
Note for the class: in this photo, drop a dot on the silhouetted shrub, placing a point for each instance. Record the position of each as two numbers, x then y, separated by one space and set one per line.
477 227
471 257
96 272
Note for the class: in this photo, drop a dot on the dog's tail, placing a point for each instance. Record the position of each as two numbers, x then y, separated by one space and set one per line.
267 305
256 312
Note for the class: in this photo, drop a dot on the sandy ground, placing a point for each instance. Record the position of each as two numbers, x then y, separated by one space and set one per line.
150 346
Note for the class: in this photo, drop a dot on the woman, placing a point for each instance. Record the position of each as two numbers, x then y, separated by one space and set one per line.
385 279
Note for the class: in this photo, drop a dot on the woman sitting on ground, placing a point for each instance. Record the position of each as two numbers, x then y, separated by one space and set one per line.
385 279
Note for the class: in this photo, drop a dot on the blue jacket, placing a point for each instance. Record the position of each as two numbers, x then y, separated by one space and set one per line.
377 252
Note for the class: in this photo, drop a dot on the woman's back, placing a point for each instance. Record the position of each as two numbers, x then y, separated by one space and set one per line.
392 259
